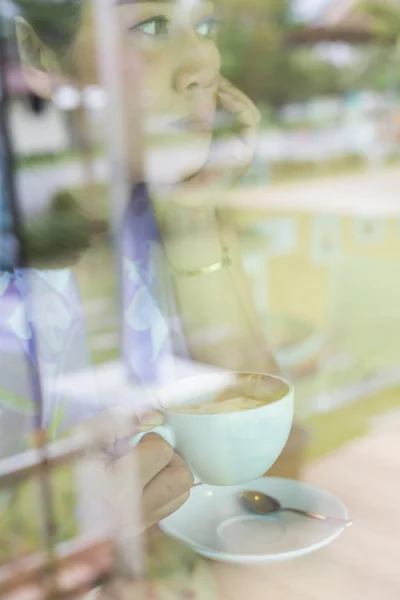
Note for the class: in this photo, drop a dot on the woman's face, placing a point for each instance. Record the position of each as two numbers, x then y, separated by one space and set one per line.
170 72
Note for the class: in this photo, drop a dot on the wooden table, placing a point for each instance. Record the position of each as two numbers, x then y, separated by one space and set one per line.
363 564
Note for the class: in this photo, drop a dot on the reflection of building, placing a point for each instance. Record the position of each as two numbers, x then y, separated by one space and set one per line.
37 127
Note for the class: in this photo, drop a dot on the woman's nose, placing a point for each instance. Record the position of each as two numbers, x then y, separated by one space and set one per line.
194 70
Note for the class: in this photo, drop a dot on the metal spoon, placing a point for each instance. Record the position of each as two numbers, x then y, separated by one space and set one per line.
261 504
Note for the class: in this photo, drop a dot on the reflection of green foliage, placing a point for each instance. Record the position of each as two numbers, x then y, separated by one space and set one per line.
377 67
56 23
382 16
21 519
257 59
57 420
251 47
61 234
307 169
16 403
51 237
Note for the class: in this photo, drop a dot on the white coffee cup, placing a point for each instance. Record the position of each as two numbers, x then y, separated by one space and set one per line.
230 448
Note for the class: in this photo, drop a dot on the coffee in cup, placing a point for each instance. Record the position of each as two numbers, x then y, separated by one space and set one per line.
247 394
229 428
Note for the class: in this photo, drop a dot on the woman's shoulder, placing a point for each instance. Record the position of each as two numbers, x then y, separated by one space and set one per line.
22 281
58 279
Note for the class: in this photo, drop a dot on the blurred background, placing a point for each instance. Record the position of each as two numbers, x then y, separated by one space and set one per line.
318 217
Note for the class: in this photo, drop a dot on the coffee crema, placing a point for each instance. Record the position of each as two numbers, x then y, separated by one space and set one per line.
244 396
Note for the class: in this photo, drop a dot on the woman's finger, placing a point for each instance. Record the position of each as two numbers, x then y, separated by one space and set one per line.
127 477
242 146
108 426
152 455
246 114
230 159
248 117
109 434
166 511
168 485
225 87
242 111
150 420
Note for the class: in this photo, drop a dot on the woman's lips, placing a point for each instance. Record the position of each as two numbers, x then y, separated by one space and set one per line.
193 125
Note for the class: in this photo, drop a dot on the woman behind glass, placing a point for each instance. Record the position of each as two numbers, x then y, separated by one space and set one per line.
185 289
172 45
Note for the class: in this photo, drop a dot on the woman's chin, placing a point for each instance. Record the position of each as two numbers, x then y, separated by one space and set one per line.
171 164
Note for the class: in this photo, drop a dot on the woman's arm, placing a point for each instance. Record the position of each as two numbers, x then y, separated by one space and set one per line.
218 313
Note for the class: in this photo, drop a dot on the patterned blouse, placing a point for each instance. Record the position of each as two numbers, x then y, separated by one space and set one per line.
43 330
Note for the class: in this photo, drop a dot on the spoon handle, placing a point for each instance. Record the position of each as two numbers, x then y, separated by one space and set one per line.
311 515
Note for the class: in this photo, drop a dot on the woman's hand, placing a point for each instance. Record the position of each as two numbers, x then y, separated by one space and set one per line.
229 158
242 147
151 471
164 479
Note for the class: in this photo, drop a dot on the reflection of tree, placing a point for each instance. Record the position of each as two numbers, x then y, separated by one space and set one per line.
54 22
383 17
257 59
379 69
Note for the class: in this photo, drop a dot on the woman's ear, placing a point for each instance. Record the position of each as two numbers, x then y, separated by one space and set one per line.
40 65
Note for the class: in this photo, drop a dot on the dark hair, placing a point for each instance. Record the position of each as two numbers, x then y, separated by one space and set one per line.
56 22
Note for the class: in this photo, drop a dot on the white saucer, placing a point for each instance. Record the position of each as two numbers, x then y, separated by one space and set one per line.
213 523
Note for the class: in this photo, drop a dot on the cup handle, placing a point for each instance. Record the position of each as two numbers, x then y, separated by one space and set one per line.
166 434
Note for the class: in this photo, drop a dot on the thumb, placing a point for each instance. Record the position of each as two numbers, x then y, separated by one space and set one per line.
146 422
150 420
116 427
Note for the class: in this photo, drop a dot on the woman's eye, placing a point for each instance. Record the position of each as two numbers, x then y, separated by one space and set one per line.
207 28
158 26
